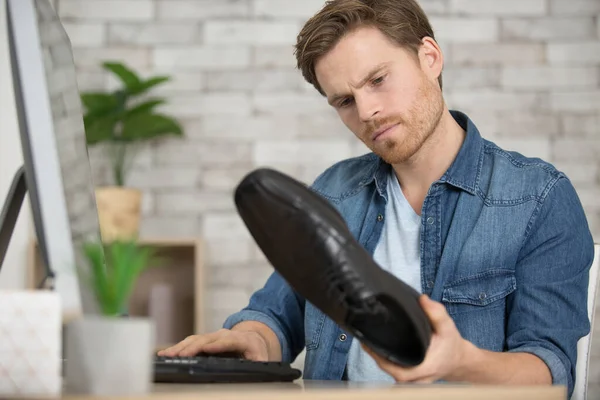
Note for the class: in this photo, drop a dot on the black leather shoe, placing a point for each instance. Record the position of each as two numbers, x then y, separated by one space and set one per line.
309 244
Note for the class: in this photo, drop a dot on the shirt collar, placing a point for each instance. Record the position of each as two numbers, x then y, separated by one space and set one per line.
463 172
465 169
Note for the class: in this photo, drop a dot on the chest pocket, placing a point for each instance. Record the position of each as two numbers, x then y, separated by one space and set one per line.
485 290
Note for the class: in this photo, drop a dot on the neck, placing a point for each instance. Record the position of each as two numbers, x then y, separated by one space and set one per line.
431 162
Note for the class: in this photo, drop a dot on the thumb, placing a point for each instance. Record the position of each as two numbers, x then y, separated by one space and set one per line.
436 312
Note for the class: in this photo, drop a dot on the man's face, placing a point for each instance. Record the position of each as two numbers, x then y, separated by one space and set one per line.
381 93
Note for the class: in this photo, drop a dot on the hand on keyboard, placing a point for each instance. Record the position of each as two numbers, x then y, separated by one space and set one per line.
219 369
247 344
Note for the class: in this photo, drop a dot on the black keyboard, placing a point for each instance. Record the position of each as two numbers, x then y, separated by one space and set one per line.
213 369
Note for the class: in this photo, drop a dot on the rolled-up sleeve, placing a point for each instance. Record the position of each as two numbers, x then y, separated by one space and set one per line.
280 308
547 314
556 365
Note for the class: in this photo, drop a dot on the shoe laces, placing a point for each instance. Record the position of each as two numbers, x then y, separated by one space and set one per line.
344 286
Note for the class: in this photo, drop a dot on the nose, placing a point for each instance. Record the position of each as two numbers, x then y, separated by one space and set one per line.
368 107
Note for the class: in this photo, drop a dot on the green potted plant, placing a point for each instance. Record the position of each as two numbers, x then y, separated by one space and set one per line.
121 119
109 353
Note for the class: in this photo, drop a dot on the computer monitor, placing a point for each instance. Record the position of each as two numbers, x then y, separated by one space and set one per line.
56 172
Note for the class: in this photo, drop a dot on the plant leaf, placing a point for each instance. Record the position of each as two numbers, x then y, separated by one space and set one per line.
142 126
120 260
99 129
146 85
134 260
145 107
113 272
99 102
129 78
97 276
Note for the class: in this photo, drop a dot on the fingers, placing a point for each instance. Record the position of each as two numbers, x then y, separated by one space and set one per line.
236 344
436 312
191 345
248 344
174 350
424 381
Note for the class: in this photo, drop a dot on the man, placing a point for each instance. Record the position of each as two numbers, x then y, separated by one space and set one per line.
497 243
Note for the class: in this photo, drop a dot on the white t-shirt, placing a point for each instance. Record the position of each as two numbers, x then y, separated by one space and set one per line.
397 252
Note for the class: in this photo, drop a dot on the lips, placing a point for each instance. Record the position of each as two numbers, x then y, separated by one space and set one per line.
381 131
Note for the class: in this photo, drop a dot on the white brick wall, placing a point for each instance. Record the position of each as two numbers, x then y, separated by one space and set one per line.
574 52
586 125
471 77
201 58
89 34
526 124
163 178
435 7
264 80
107 10
301 152
550 77
91 57
248 129
465 30
273 56
224 226
162 226
574 7
223 254
560 28
499 8
576 101
526 71
153 33
288 103
512 53
250 32
494 99
196 10
186 202
285 9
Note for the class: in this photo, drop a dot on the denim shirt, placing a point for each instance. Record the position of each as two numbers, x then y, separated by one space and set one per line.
505 247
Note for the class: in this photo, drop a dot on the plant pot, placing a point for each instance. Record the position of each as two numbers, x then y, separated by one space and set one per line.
109 356
119 210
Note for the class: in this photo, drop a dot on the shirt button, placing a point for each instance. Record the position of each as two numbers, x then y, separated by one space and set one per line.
380 218
429 284
343 337
430 220
482 296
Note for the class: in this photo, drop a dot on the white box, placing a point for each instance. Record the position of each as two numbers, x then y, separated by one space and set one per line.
30 343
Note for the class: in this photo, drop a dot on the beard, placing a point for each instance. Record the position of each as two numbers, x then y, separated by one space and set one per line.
418 125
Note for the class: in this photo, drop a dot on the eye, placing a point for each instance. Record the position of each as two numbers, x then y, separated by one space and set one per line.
378 81
346 102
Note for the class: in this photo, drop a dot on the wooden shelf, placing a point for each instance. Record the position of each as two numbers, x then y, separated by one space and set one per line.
171 293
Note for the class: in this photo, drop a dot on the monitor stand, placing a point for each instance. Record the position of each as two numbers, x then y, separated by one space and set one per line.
8 219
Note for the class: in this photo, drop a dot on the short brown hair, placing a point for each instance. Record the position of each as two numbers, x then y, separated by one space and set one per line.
403 21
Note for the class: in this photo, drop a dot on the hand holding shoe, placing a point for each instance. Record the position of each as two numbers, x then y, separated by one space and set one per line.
444 358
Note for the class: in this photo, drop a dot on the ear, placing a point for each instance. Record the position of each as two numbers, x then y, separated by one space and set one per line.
431 58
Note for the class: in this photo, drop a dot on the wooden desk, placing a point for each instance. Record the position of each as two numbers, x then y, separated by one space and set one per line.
318 390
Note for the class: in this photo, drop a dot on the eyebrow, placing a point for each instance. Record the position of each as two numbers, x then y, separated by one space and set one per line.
362 83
